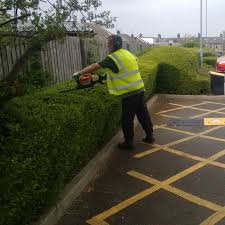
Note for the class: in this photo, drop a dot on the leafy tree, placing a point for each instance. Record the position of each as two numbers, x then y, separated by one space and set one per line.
40 21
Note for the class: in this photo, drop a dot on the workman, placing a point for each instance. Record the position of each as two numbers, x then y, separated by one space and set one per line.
124 80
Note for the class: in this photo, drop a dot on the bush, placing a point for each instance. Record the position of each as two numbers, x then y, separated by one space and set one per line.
35 78
47 137
192 44
177 71
210 60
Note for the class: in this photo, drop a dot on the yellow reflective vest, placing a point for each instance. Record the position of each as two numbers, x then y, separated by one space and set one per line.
128 79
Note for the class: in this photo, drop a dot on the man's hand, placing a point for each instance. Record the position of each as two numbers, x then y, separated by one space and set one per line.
77 74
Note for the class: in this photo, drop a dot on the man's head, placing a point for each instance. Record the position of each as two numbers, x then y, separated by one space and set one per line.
115 42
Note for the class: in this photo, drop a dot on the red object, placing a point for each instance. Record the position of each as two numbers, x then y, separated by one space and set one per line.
85 79
220 64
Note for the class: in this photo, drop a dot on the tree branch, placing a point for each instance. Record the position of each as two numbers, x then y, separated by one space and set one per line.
14 19
4 10
7 34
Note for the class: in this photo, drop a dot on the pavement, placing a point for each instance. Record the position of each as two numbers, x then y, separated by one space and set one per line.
179 180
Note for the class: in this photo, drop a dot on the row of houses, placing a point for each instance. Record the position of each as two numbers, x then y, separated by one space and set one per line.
215 43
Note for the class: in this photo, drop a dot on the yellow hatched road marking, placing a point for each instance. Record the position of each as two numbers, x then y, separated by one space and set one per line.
207 110
99 219
197 158
202 134
176 191
215 218
217 103
182 107
122 205
115 209
175 117
192 107
192 136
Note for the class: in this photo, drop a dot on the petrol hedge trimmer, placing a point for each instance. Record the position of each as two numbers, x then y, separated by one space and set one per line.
86 81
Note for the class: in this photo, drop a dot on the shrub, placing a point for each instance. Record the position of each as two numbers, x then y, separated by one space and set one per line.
47 137
210 60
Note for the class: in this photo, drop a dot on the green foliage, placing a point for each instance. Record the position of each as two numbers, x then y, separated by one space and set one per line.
57 136
47 137
35 78
194 43
177 71
210 60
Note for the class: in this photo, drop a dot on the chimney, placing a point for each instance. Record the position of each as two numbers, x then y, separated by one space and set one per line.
83 20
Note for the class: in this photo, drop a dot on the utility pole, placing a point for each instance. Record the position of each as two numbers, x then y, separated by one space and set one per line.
206 30
201 50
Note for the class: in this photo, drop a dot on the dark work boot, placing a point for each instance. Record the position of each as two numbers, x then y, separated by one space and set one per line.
149 139
126 146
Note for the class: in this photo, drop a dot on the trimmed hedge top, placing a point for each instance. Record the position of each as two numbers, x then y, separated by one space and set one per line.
47 137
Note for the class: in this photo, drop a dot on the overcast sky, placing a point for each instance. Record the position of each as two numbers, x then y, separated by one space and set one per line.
167 17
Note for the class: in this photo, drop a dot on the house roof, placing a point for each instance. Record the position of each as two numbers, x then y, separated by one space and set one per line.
101 33
214 40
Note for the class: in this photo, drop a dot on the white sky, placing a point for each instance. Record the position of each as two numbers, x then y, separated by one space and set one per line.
167 17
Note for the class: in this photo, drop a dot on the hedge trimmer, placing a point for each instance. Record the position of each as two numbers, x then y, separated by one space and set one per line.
86 81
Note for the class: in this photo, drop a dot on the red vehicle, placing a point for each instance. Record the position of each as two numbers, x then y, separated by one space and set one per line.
220 64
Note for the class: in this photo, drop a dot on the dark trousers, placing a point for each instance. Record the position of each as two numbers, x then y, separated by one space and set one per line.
131 106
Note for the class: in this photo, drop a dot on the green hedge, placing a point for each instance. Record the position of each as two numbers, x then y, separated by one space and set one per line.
177 71
47 137
210 60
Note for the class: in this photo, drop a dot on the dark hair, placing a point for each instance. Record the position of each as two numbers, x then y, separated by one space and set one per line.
117 41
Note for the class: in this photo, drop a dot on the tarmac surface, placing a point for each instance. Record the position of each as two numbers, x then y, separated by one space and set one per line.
179 180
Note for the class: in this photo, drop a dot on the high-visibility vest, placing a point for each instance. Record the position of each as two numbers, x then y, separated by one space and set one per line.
128 78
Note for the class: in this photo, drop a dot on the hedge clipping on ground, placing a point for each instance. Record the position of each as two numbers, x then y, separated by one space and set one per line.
47 137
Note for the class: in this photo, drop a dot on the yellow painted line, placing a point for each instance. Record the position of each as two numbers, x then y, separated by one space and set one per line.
115 209
207 110
99 219
148 152
217 103
183 107
174 117
214 121
210 130
200 115
96 222
212 138
215 218
176 191
194 168
170 110
179 131
201 134
191 107
218 164
186 155
204 114
189 156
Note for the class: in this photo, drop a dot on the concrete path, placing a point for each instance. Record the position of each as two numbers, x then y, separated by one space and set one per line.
180 180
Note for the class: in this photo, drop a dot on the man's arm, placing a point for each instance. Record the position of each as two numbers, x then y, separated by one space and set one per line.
91 68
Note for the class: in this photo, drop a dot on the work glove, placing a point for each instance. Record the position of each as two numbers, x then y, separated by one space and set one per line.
77 74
